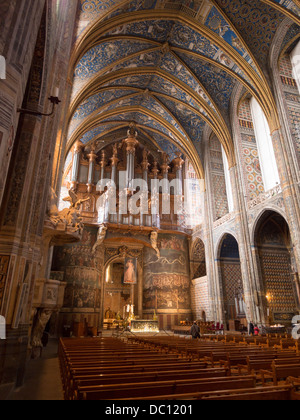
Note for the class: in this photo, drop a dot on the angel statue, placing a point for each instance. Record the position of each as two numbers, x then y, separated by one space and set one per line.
153 239
71 216
73 199
52 209
100 238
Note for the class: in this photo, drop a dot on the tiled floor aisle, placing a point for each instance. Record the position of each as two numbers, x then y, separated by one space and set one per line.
43 381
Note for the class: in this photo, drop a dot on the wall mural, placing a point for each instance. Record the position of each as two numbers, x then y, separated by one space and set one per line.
4 263
82 271
166 279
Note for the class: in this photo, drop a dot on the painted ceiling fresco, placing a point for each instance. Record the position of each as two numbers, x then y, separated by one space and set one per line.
170 66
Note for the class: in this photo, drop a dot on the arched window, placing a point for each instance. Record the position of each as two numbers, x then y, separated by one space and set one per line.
228 182
295 59
192 195
2 67
265 147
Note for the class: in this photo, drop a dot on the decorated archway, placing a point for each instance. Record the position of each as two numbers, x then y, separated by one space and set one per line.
277 268
231 284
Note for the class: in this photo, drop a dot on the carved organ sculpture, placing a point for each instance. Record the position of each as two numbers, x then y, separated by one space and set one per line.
128 184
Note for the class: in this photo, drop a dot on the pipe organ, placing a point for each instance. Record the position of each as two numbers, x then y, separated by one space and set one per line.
128 184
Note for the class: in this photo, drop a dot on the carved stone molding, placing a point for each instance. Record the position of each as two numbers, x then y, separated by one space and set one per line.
124 252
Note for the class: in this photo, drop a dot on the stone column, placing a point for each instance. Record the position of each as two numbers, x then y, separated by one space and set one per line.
145 168
92 160
251 284
103 164
178 165
76 165
290 192
178 199
131 144
214 280
155 198
165 166
114 165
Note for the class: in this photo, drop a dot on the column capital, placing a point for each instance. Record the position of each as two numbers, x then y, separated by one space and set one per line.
165 166
155 170
178 162
78 147
92 157
145 163
131 144
114 159
103 161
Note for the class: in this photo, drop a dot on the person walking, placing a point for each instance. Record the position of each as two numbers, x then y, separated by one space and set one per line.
256 331
251 328
195 331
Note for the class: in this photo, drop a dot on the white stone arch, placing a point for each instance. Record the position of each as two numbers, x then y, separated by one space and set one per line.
2 328
273 209
2 68
219 241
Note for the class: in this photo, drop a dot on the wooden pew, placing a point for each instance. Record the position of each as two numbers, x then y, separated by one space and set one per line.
210 386
81 373
282 393
137 377
280 372
129 391
153 365
255 365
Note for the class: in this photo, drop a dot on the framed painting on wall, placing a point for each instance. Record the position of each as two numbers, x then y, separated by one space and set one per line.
130 272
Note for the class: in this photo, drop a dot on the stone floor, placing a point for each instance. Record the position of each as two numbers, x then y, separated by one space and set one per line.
42 381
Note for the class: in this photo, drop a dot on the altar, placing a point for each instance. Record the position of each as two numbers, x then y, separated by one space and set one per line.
144 326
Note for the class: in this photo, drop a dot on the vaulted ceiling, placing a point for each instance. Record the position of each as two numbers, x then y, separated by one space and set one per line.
171 67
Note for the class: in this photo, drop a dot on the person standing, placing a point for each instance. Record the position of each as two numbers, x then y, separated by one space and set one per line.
256 331
195 331
251 329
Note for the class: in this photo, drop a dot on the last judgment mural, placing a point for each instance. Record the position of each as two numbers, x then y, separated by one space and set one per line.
167 281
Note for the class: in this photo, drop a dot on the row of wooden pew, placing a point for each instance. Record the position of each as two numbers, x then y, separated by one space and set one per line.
172 368
268 341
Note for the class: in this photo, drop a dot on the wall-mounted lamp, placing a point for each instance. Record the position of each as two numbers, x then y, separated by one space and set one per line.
53 99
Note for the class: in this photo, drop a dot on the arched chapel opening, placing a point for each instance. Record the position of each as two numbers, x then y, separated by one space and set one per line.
232 291
279 277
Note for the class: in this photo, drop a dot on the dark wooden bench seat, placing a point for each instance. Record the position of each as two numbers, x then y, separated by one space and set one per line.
280 373
283 393
208 387
158 366
138 377
255 365
129 391
80 373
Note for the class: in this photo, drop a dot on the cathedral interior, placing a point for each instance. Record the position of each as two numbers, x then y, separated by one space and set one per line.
150 155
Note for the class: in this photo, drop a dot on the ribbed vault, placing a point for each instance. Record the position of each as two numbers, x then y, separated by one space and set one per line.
171 67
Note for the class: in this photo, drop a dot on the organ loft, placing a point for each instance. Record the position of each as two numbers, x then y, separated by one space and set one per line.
149 194
134 191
